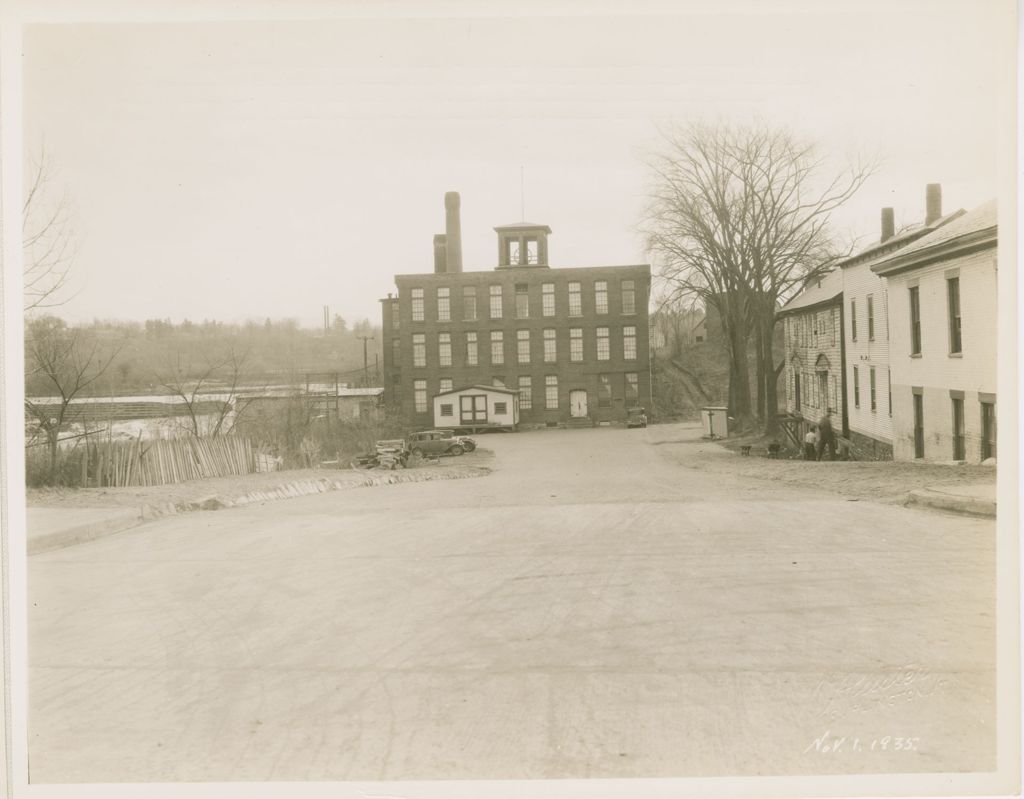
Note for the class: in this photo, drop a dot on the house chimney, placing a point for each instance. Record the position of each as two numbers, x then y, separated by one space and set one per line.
888 224
932 202
453 231
440 254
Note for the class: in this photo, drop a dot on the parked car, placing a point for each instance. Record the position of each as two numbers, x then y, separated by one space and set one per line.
434 443
637 417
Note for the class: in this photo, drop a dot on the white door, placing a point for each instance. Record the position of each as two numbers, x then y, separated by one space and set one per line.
578 403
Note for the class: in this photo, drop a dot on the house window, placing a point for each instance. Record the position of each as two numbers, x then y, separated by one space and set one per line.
915 321
632 389
575 300
953 297
525 392
888 388
871 377
522 301
444 305
497 347
469 303
419 393
447 409
604 391
523 346
918 424
856 387
601 296
419 349
629 343
550 345
446 385
959 447
394 315
495 302
628 297
417 305
833 324
471 351
547 299
603 352
551 392
444 349
988 430
871 317
576 344
853 320
500 408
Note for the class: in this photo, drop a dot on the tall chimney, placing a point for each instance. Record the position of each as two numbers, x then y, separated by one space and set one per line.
888 224
932 202
453 231
440 254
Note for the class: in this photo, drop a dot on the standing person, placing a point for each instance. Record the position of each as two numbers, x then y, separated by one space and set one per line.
826 438
811 444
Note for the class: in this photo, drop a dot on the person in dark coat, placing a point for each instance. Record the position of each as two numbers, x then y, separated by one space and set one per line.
826 438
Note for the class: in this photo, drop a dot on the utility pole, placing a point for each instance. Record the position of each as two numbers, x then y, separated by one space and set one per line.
366 376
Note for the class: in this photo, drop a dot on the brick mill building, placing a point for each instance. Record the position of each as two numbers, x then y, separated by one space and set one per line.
572 342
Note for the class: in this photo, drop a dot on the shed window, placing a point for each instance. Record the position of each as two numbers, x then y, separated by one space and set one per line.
447 409
500 408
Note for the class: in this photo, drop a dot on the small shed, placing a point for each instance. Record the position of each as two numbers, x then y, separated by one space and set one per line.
716 421
477 408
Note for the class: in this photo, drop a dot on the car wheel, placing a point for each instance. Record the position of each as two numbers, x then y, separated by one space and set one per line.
469 447
456 450
418 452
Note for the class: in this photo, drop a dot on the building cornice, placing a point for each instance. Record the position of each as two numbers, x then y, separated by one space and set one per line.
942 251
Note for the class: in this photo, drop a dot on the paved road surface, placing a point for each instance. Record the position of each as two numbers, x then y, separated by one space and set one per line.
588 610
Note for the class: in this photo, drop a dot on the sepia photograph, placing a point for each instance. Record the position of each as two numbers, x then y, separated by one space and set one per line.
528 399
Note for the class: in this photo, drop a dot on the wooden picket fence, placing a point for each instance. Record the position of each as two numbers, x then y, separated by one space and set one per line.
161 461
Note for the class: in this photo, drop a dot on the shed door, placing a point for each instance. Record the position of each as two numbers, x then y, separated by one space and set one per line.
578 403
472 408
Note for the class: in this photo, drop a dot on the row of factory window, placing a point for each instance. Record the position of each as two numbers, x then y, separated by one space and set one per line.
523 309
524 350
524 384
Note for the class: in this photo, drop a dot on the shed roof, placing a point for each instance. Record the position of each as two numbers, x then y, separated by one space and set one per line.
499 389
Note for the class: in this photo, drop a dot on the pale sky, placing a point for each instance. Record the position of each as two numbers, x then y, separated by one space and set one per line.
241 170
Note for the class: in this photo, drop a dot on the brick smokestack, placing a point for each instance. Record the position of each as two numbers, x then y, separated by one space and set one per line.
888 224
932 203
440 254
453 231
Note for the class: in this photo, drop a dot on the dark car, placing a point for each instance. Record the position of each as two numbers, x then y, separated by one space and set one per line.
637 417
434 443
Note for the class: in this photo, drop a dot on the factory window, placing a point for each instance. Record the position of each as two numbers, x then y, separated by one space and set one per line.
628 297
396 350
603 351
551 392
548 299
471 352
419 393
523 346
446 385
444 305
575 300
632 389
522 301
604 391
532 251
395 315
417 305
446 409
576 344
871 317
550 345
500 408
444 349
629 343
497 347
525 392
601 296
495 302
469 303
512 251
419 349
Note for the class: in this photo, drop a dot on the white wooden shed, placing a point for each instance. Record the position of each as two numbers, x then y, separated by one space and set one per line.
477 408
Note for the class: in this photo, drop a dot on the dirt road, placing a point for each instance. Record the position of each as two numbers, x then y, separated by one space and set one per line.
590 609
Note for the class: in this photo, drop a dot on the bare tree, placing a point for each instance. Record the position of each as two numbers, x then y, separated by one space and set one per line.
221 376
47 238
739 217
63 362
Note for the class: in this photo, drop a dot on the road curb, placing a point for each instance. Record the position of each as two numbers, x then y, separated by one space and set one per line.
955 503
132 517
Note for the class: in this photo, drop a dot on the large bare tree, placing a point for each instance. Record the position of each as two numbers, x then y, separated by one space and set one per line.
48 237
219 375
739 217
